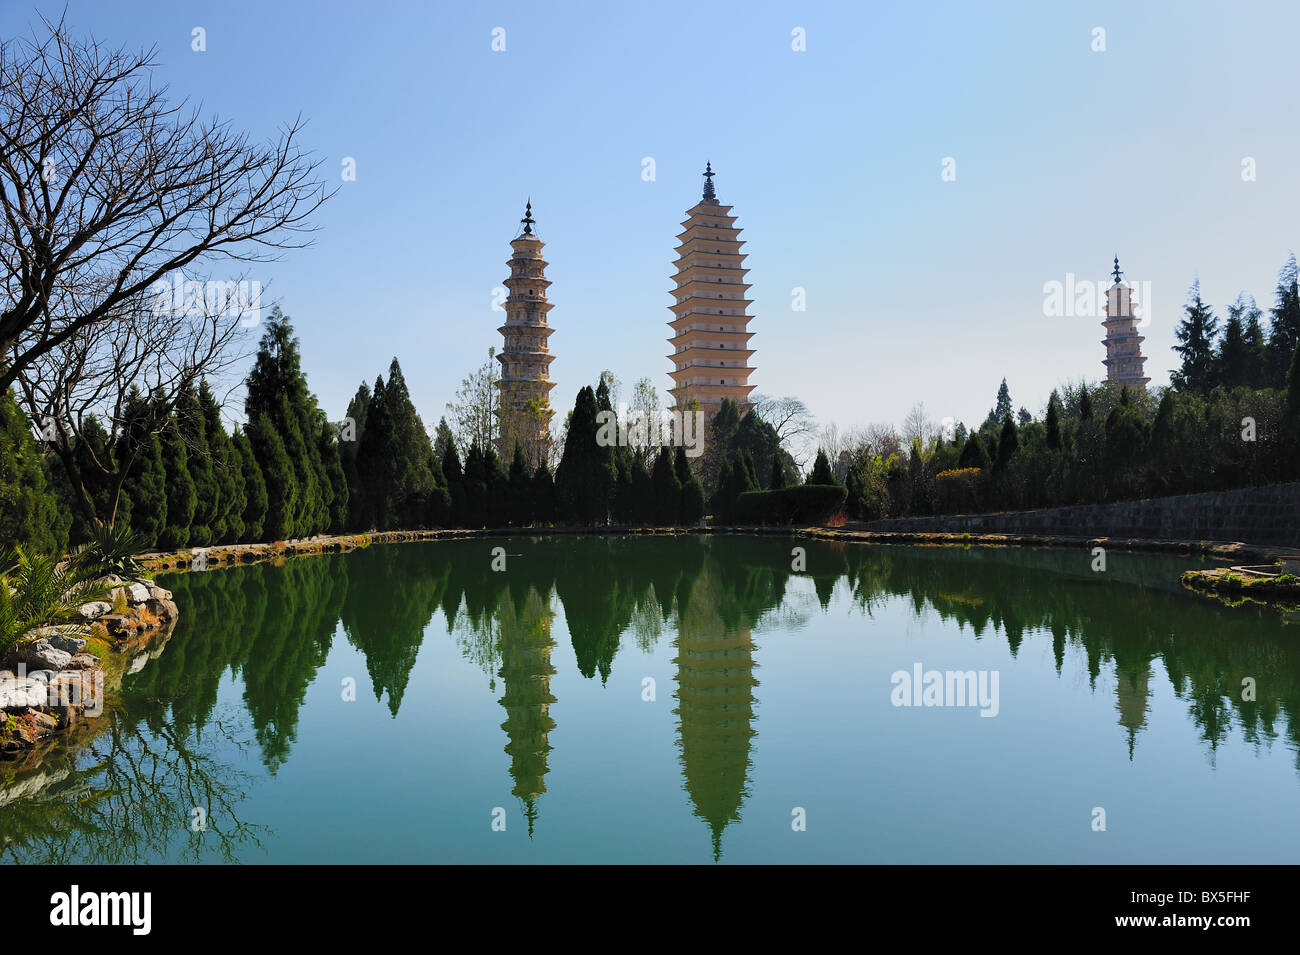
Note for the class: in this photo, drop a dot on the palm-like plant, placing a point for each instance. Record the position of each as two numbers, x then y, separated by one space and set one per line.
111 550
37 590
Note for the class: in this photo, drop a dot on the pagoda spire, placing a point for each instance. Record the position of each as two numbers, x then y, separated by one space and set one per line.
528 219
1117 274
709 194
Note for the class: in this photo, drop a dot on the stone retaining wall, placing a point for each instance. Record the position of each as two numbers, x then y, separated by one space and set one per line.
1257 515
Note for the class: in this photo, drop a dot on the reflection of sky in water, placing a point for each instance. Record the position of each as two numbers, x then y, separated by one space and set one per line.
525 691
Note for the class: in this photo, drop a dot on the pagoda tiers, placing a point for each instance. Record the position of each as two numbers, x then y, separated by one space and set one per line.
525 409
1124 360
710 343
715 700
526 669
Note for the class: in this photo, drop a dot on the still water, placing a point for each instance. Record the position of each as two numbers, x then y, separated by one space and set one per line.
686 699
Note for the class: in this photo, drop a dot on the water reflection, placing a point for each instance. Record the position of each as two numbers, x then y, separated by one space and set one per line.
128 794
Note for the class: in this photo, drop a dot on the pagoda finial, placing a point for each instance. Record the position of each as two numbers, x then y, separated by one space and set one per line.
709 195
1117 273
528 219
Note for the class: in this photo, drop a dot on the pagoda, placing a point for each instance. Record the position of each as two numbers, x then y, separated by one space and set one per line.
710 343
1124 360
525 409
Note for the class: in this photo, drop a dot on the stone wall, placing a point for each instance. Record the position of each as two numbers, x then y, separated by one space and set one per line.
1257 515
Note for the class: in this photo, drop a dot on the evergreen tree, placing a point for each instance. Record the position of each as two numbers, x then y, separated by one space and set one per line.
585 477
455 475
182 498
142 504
30 516
1234 365
1284 331
1053 423
476 487
821 470
278 393
643 491
191 427
974 455
519 497
1196 334
693 505
668 490
354 426
1291 420
227 522
777 481
331 460
280 478
1003 407
256 503
722 502
497 483
1085 404
1008 443
543 495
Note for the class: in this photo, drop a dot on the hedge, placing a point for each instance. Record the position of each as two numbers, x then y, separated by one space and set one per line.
805 504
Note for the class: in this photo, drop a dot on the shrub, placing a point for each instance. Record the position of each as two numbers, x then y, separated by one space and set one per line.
111 550
804 504
36 590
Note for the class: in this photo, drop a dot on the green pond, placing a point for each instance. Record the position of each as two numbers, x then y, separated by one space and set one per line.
687 699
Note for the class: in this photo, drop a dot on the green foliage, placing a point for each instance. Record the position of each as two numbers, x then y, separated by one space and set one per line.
668 490
805 504
821 470
37 590
256 499
30 515
585 478
112 549
182 497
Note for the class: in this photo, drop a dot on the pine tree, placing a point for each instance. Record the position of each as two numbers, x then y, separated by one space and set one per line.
227 522
1085 404
1291 419
722 503
354 426
643 491
332 462
1196 334
142 504
1003 406
821 470
256 499
497 483
1233 362
455 476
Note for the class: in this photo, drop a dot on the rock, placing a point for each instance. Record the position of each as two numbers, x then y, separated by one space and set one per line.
94 610
41 655
137 593
82 661
45 723
68 643
44 676
164 608
138 663
21 692
118 623
157 593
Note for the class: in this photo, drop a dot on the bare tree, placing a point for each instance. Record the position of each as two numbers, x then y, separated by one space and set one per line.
646 407
150 347
474 410
107 188
795 426
918 427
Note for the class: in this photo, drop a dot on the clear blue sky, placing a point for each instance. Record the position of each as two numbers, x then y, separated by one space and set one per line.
917 289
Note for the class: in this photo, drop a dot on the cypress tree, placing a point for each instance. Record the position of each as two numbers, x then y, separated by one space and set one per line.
1008 443
585 476
777 481
278 393
821 470
476 487
1085 404
455 476
1054 422
543 495
30 516
1291 419
519 498
643 491
1284 330
722 510
142 504
1003 407
182 498
256 503
228 517
438 512
280 480
354 426
191 427
497 483
974 454
668 490
338 481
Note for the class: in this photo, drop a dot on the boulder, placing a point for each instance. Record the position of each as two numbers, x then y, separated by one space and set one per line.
158 593
138 664
94 610
137 593
22 692
82 661
164 608
41 655
67 642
